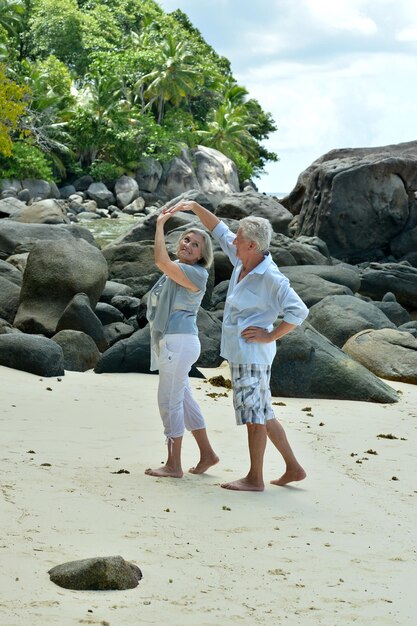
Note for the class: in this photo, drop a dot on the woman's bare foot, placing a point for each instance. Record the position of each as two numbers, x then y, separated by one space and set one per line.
290 476
203 465
165 472
243 484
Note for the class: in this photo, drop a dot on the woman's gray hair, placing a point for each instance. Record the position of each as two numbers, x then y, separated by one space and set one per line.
258 230
206 249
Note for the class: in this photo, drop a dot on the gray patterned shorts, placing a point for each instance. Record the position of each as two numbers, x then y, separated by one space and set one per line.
251 393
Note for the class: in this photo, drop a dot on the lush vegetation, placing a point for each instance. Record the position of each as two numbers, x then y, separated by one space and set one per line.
95 85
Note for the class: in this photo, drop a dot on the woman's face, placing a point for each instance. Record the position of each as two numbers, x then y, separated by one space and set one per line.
190 248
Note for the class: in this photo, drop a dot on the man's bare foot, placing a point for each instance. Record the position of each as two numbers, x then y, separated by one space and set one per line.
164 472
290 476
243 484
203 465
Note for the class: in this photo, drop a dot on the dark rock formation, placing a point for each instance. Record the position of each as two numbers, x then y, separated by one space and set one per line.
80 351
307 365
31 353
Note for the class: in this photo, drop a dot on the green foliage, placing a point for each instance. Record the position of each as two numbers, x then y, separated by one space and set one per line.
12 107
105 171
112 81
26 161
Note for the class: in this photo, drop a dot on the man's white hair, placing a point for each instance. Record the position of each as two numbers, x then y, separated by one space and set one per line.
258 230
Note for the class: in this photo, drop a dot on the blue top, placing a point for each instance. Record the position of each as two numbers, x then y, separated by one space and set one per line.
172 309
257 300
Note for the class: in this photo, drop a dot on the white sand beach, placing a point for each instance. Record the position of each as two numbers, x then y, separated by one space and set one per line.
337 549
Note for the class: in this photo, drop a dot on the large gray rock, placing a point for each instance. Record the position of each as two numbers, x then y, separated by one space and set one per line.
178 176
78 315
9 299
216 174
31 353
390 354
307 365
40 189
250 203
112 289
80 351
133 264
101 195
11 273
358 200
11 206
148 174
313 283
341 317
117 331
126 191
99 573
398 278
55 272
404 243
17 237
209 333
48 211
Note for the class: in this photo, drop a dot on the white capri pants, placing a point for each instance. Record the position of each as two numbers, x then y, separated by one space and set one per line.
178 409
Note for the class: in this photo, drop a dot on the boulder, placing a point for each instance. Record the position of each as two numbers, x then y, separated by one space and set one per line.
209 333
40 189
313 283
358 200
405 243
11 206
132 264
80 351
250 203
178 176
100 573
398 278
135 207
108 314
78 315
390 354
48 211
31 353
216 173
341 317
9 272
127 355
307 365
126 191
128 305
16 237
9 299
112 289
19 262
148 174
116 331
55 272
101 195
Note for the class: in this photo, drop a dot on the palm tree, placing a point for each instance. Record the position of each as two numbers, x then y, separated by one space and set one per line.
173 80
228 131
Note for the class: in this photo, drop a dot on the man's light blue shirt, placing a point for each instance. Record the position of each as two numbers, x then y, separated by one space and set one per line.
257 300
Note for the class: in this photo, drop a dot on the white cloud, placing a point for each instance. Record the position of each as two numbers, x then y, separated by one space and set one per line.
342 15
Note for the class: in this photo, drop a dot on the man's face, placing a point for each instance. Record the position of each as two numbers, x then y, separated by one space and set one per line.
243 246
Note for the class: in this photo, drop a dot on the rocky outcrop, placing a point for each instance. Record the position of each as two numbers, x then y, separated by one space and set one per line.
79 316
55 272
359 200
33 354
307 365
239 205
16 237
313 283
390 354
79 350
399 278
340 317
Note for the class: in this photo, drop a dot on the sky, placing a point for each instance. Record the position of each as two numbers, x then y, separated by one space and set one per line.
333 73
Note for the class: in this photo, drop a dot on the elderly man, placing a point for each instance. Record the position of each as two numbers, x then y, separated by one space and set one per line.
258 293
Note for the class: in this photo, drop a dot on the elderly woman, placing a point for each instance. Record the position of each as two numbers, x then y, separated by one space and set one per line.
173 305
